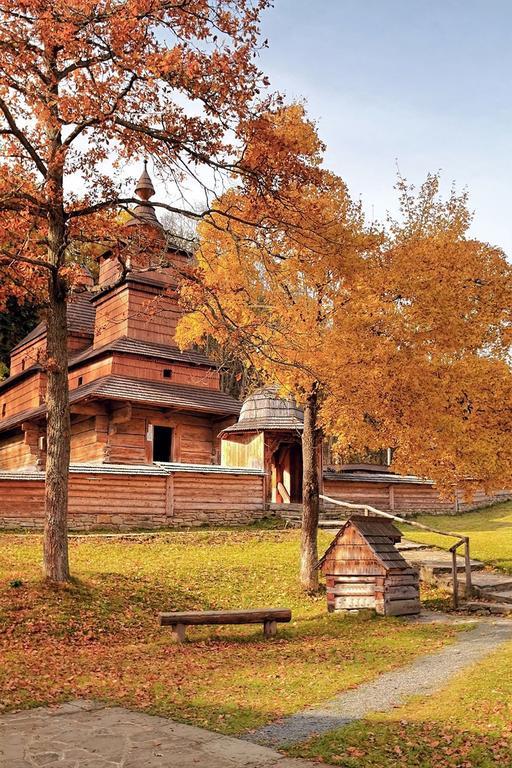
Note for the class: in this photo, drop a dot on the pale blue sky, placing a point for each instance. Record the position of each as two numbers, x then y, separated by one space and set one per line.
425 83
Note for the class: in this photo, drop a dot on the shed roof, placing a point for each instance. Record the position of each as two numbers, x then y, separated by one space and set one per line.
376 526
380 535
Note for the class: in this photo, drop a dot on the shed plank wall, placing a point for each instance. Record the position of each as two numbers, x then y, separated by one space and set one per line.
243 450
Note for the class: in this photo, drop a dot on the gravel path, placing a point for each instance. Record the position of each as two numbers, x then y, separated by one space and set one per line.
423 676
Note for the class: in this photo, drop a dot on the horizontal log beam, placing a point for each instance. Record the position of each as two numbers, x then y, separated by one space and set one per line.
88 409
252 616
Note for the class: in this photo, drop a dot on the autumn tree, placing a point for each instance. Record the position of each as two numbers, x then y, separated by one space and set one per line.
423 363
267 290
85 87
397 336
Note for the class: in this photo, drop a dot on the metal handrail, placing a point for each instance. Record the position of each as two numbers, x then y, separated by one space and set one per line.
461 541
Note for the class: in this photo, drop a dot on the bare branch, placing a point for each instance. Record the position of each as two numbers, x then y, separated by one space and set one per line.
22 138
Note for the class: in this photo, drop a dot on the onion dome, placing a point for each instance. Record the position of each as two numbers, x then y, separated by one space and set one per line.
265 410
144 213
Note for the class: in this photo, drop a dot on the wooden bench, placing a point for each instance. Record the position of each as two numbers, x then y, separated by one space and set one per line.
269 617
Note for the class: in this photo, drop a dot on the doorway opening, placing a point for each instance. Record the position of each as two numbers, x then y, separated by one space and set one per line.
287 474
162 443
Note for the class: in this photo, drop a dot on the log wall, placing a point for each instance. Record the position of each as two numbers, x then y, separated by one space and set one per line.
20 449
127 501
27 393
407 498
88 438
129 441
153 370
140 312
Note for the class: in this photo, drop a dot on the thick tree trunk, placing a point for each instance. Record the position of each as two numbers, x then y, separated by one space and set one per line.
310 493
55 548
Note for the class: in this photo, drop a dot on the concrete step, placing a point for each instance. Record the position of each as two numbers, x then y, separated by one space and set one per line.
474 606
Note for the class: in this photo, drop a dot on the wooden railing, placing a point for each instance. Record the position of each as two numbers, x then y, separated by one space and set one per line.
461 541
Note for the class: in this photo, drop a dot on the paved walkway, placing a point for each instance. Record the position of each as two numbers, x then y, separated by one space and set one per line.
85 734
423 676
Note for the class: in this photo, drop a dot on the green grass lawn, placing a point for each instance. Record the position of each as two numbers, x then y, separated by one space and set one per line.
466 725
99 637
489 531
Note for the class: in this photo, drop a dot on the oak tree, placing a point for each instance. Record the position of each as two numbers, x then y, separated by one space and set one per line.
85 87
266 284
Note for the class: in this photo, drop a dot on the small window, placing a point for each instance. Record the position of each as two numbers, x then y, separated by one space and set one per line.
4 409
80 381
167 373
23 364
162 444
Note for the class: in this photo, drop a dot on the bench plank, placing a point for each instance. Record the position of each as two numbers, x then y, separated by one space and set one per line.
251 616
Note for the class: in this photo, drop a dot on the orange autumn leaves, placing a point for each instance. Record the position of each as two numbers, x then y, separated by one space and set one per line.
86 87
406 325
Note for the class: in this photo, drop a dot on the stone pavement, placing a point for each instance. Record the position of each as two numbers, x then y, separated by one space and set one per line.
85 734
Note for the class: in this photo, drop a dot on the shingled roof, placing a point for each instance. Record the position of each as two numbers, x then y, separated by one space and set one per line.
158 394
380 535
144 349
153 393
80 316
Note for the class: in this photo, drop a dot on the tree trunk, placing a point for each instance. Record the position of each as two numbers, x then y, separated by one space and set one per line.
55 547
310 495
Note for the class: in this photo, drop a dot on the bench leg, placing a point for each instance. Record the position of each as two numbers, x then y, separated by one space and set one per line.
269 628
178 632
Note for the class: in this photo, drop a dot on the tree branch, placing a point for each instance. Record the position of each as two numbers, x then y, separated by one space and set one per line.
22 138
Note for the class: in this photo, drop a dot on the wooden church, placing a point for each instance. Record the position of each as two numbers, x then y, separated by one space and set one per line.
154 440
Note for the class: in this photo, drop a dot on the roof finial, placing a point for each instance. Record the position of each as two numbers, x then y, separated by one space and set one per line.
145 188
144 212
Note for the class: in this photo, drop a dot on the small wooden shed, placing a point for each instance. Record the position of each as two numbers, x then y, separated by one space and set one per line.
364 569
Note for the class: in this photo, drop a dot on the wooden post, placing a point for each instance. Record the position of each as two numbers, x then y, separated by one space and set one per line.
269 628
169 495
467 561
455 578
392 498
178 632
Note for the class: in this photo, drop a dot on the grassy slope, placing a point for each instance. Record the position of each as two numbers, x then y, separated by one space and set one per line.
99 638
490 532
467 725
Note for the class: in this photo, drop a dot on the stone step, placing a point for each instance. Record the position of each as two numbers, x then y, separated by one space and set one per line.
502 609
410 546
489 581
436 563
328 524
497 597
